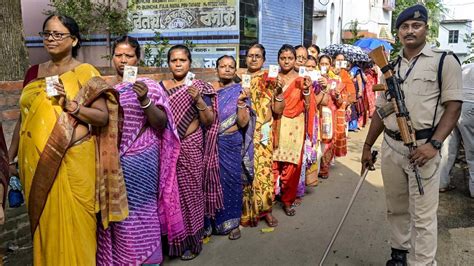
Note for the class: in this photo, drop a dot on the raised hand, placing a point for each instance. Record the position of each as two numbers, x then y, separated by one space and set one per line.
141 89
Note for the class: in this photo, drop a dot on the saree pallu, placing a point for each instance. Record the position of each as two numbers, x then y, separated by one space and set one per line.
4 166
258 191
63 180
290 130
328 144
369 92
230 162
200 191
149 162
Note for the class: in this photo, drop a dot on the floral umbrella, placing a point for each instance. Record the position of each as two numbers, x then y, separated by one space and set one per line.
351 52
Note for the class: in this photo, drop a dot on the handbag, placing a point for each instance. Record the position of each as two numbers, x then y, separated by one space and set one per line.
15 195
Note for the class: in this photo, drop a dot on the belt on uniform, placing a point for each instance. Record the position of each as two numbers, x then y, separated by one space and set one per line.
419 134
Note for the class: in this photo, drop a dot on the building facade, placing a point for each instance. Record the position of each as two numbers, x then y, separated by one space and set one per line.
455 35
214 27
333 19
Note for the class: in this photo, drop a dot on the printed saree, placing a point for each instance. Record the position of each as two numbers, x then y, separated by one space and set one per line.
258 191
148 159
200 191
230 162
290 129
67 183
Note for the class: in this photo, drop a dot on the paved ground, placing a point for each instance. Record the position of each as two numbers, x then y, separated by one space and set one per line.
363 240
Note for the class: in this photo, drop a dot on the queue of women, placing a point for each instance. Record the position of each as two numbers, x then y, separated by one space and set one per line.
121 173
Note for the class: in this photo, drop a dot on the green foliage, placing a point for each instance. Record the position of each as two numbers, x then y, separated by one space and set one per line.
435 10
155 52
95 17
354 29
159 44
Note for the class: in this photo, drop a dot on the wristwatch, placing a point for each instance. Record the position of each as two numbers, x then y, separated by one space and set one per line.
436 144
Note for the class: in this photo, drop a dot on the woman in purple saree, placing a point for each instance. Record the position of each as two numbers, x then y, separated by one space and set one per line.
194 108
233 118
148 152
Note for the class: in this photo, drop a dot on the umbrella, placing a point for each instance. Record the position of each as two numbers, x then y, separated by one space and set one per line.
351 52
369 44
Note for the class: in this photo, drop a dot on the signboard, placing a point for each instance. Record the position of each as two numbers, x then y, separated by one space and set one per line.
148 16
206 55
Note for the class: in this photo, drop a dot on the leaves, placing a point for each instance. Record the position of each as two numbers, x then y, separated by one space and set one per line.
435 10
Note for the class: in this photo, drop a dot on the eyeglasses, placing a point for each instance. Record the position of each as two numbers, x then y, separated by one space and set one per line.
300 57
255 56
57 36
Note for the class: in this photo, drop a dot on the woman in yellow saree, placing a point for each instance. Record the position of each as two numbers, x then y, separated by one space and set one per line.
57 155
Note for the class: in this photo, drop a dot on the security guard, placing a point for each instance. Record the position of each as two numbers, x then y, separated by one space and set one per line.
434 112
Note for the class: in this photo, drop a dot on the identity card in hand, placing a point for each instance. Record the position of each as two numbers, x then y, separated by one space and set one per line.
130 74
273 71
302 72
50 90
246 79
314 75
188 80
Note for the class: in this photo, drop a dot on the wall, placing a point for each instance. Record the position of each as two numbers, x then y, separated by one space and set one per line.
336 16
282 22
461 49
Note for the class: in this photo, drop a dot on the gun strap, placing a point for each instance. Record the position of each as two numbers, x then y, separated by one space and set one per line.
440 83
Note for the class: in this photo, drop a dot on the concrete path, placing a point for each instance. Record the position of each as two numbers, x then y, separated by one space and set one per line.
302 239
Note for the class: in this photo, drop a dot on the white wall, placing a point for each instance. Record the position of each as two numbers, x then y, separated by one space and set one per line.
339 13
461 48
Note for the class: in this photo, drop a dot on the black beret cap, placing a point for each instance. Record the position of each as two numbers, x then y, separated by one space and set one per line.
416 12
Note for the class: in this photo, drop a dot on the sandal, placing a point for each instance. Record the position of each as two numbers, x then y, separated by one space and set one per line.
271 220
188 255
323 176
235 234
297 202
446 189
289 210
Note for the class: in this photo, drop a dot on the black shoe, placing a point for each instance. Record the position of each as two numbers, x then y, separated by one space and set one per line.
399 258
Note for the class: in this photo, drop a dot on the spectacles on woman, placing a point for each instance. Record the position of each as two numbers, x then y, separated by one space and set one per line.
57 36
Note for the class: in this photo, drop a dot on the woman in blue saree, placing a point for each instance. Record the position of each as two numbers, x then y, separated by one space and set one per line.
233 118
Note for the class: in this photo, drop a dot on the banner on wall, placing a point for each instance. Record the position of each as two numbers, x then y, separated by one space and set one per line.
148 16
206 55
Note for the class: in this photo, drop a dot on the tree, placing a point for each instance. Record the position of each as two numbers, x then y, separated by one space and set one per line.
105 16
435 10
12 47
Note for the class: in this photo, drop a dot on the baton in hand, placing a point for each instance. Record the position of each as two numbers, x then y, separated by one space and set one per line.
354 195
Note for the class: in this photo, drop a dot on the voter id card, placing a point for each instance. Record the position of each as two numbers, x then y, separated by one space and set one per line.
50 90
273 71
246 79
302 72
130 74
314 75
188 80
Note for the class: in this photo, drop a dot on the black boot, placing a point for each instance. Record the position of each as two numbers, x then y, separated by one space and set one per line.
399 257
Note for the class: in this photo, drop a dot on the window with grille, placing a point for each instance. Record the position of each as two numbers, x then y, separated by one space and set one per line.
453 36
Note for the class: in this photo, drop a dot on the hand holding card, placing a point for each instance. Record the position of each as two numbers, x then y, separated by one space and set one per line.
130 74
188 80
273 71
246 80
50 88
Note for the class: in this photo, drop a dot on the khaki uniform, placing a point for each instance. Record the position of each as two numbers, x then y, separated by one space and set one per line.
412 217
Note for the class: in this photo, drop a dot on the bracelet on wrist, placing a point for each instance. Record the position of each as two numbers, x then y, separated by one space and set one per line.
242 106
278 99
368 145
201 109
146 105
307 93
75 111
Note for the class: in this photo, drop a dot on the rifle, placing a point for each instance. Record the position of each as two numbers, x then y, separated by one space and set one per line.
396 97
